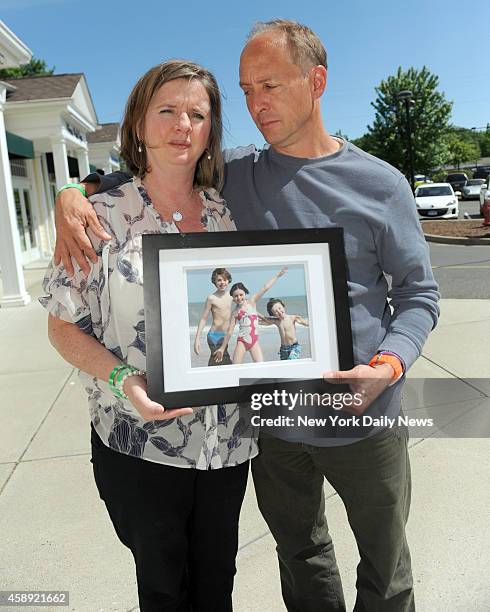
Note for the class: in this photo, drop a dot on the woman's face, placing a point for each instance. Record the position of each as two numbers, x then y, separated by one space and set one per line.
178 123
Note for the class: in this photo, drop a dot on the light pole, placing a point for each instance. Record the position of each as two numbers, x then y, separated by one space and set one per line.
406 97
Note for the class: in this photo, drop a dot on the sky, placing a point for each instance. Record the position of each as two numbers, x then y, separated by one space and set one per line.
114 43
292 283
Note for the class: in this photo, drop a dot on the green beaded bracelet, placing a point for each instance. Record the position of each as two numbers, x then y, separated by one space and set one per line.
121 377
112 376
118 376
80 188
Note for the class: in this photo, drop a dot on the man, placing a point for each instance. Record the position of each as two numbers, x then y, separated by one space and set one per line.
306 178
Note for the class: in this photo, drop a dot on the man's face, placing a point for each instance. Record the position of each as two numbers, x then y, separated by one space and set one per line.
278 94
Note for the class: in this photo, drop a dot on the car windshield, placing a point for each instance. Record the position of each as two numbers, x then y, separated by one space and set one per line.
433 191
475 182
456 177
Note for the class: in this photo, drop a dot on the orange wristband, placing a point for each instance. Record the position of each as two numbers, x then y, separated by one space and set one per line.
392 360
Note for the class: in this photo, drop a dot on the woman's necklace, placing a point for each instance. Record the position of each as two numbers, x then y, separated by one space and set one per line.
179 213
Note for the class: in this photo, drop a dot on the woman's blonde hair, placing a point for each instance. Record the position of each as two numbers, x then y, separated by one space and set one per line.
209 172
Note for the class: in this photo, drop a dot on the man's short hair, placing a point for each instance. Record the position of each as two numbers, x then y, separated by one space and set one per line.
305 47
271 303
220 272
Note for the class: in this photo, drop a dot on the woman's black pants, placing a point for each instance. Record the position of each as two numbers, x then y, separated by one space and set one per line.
180 524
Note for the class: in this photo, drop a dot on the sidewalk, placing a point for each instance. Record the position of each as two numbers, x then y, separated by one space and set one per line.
57 536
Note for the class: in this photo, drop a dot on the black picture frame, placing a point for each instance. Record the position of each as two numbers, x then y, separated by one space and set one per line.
156 247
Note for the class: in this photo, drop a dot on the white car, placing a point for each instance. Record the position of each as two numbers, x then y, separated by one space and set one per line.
471 191
436 200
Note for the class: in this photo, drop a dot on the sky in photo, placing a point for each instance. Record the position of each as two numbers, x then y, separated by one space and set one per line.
114 43
292 283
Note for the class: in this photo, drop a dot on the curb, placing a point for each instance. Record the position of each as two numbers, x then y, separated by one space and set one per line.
456 240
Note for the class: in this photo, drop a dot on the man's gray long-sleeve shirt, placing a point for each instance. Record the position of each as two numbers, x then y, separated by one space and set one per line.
374 205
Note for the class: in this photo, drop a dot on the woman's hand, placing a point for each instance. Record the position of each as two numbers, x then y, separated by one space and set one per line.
282 272
135 388
197 345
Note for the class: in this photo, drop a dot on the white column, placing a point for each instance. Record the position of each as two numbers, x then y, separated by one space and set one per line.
49 201
14 290
83 163
47 248
60 162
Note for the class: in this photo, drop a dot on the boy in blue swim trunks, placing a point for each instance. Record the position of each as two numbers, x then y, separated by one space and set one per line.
219 305
286 324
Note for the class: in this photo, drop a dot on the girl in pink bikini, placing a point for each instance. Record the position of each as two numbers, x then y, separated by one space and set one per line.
245 314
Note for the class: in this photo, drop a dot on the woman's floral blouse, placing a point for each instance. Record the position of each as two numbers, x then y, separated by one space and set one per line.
109 305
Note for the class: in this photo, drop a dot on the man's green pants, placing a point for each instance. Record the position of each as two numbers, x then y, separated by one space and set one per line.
372 477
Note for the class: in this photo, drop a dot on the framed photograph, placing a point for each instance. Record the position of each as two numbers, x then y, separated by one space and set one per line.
222 308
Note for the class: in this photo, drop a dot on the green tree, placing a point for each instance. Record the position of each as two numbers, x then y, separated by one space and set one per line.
484 139
430 113
36 67
460 150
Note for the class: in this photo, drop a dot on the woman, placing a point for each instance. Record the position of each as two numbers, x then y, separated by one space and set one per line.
161 473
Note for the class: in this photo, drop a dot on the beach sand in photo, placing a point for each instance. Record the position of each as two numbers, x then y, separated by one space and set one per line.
269 341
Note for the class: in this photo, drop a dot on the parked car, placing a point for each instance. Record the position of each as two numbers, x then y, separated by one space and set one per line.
482 172
484 196
437 200
457 180
421 179
471 191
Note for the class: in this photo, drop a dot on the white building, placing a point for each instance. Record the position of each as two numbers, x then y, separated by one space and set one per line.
45 126
104 146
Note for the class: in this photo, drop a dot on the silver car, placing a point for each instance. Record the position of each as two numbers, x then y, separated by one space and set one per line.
471 191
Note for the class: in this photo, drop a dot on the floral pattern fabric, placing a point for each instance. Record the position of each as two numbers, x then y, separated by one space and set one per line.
109 305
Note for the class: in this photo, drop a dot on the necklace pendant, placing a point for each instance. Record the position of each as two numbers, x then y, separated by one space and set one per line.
177 216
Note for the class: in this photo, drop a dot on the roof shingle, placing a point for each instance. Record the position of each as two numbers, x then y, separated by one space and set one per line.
106 132
43 87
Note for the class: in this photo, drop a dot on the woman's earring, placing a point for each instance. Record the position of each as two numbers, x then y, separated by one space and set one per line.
208 156
139 147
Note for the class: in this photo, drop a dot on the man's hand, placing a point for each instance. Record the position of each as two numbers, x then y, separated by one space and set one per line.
74 213
365 380
135 389
218 355
197 345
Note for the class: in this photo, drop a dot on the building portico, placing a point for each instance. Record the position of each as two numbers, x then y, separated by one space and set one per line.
13 53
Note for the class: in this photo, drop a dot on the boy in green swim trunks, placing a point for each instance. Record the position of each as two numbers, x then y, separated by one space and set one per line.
219 305
286 324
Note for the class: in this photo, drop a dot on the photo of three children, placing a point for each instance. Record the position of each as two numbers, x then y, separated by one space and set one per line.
237 306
